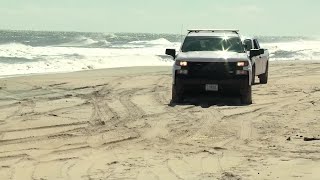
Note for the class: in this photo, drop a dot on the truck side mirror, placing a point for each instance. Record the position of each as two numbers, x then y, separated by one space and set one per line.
171 52
261 51
255 52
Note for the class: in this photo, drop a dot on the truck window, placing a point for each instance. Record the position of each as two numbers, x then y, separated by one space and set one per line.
256 44
199 43
248 44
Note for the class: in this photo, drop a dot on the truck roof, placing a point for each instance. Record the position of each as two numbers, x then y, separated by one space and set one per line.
214 30
206 33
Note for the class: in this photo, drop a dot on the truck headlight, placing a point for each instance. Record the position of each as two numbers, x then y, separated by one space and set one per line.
242 63
181 63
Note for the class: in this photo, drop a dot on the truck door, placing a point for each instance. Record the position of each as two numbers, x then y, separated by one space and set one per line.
258 59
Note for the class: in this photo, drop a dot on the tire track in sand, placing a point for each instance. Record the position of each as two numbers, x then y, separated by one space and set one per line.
102 113
133 110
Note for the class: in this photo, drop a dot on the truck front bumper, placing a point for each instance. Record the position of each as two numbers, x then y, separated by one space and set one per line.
226 85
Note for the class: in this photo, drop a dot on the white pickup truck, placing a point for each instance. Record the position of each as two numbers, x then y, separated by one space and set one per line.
212 60
260 63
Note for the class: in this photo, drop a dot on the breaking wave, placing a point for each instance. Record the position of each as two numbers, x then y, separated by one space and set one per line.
161 41
17 59
86 42
297 50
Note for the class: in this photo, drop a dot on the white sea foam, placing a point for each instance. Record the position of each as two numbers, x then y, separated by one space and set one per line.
67 59
161 41
298 50
23 59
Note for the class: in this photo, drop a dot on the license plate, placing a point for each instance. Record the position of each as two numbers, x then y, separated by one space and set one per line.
212 87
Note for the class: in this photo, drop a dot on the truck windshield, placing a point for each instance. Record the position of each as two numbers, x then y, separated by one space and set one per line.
199 43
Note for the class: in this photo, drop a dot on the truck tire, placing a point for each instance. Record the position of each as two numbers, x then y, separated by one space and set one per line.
246 96
264 77
253 75
177 93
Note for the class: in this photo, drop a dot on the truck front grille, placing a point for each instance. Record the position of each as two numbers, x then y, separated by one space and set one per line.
211 70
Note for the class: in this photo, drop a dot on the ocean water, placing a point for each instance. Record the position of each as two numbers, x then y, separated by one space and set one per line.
30 52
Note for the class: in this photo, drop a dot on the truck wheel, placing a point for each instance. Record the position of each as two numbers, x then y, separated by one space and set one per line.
264 77
246 96
253 75
177 93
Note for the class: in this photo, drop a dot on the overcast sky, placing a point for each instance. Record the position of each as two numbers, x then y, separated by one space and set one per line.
259 17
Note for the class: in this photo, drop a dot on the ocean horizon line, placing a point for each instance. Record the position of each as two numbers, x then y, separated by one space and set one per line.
159 33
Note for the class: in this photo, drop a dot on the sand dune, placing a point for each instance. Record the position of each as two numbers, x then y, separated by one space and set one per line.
118 124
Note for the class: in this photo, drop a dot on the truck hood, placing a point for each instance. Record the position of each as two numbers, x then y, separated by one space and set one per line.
212 56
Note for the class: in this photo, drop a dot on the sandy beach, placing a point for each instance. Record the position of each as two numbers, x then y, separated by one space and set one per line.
118 124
